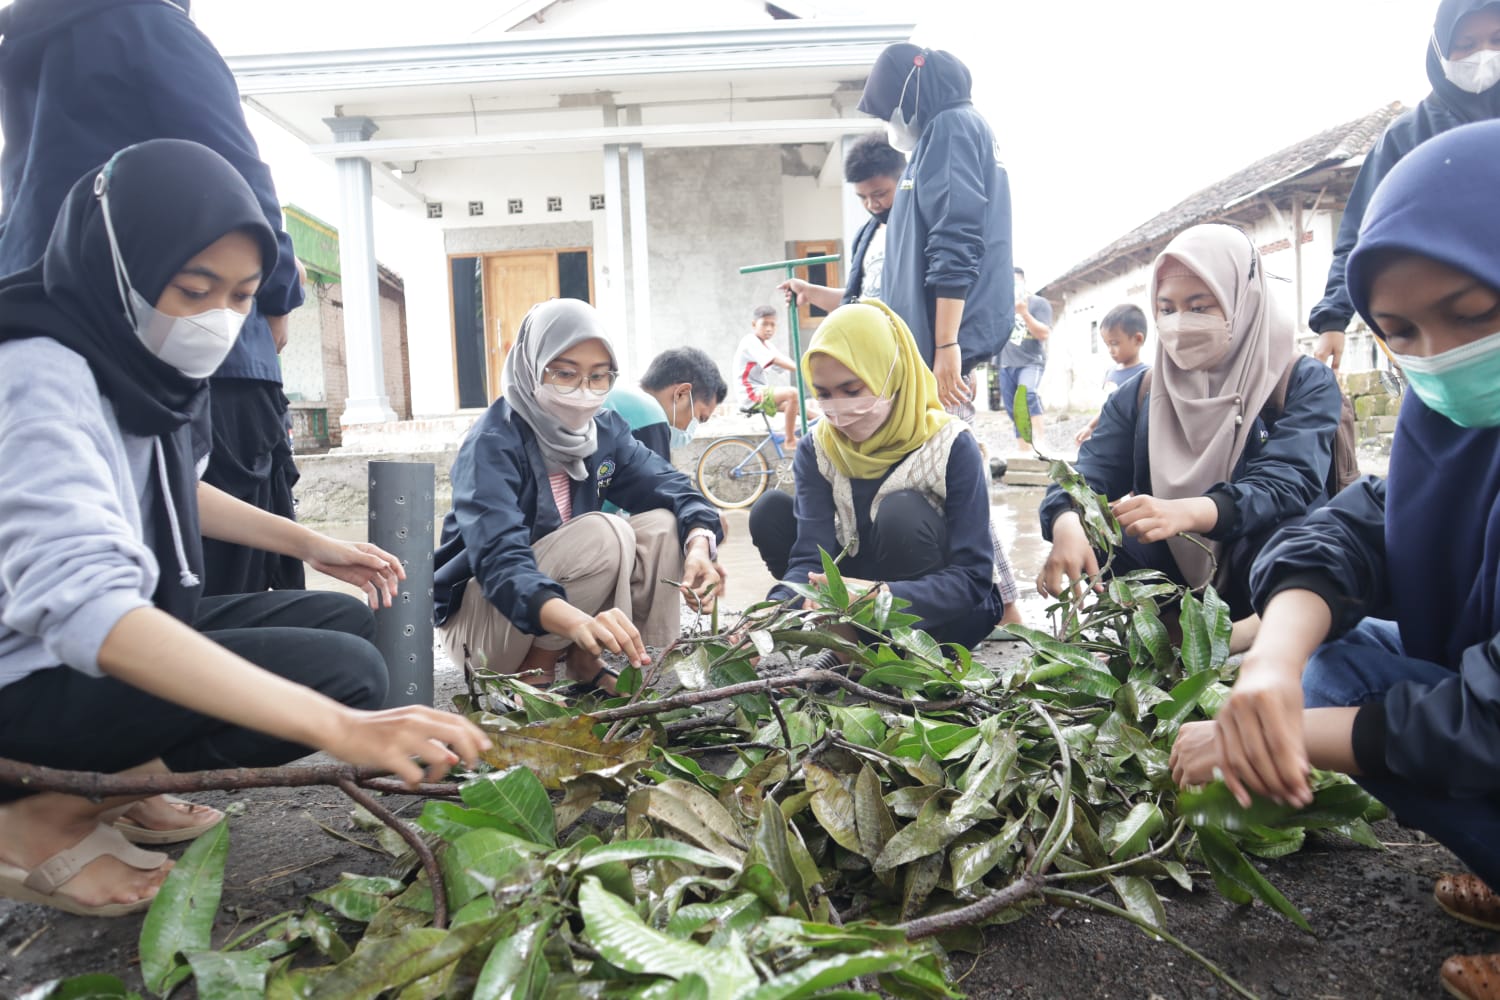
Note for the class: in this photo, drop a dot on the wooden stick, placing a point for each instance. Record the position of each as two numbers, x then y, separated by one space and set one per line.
414 841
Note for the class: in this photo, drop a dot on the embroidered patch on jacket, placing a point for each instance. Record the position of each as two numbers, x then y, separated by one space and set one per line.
907 184
606 473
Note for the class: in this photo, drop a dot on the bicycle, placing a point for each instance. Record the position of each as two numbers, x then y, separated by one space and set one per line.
734 471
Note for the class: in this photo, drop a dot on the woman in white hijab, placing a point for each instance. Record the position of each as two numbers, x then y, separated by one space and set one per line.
1235 440
529 570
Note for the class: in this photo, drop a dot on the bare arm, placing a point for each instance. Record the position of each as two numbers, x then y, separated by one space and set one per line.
946 360
150 650
1035 327
825 298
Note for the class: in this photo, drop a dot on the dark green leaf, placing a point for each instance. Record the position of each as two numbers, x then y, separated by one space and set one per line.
1197 644
1184 698
88 987
832 804
517 797
657 849
358 897
860 724
1140 898
382 964
1237 878
1132 835
517 968
1152 634
618 934
838 594
229 975
181 918
1022 413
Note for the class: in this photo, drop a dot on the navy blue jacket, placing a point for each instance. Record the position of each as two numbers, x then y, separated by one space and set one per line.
82 79
1283 472
949 236
502 504
964 585
854 289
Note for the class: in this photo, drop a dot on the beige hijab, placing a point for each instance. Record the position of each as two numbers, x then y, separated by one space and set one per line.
1200 420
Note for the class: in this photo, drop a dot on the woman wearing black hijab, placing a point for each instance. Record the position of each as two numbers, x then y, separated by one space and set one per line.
1463 65
109 658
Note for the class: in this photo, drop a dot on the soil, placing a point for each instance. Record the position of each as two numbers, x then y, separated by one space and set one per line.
1378 932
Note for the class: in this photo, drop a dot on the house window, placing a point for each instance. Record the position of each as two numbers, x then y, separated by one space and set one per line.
514 206
554 203
476 208
596 203
1094 337
434 210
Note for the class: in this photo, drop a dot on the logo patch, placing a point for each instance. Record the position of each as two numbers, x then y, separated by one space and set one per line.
907 184
606 473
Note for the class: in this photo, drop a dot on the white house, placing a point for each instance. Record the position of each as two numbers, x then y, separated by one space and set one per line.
638 170
1291 204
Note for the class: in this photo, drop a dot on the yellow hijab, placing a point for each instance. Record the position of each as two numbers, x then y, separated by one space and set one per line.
866 337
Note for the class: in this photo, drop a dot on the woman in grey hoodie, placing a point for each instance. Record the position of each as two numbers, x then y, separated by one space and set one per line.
110 658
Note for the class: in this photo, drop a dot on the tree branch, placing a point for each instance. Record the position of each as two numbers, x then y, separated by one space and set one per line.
414 841
976 912
94 785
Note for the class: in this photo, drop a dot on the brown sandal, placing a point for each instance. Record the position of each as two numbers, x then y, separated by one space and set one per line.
1468 898
1472 977
43 883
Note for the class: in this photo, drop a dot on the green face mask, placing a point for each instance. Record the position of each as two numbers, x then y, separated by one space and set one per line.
1462 384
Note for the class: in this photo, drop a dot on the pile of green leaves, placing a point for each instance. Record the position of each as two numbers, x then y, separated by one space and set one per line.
787 842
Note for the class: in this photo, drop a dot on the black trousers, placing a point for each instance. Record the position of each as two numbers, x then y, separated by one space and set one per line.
251 461
907 541
66 719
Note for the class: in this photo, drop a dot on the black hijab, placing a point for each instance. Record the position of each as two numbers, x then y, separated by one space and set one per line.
169 199
1466 106
940 79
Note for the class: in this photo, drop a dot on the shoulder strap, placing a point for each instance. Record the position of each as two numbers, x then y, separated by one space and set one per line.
1142 387
1276 403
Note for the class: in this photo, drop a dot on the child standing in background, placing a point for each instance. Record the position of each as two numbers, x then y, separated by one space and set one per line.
1124 334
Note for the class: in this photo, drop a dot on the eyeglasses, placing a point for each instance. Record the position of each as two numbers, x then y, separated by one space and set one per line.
570 380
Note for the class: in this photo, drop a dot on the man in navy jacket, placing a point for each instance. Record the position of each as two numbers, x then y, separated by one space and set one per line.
82 79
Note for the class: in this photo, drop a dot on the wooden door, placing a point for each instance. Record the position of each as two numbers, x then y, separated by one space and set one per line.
809 316
513 283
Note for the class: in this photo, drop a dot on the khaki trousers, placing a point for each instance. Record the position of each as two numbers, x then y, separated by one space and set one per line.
602 561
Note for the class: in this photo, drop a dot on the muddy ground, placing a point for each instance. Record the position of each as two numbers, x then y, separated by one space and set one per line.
1378 932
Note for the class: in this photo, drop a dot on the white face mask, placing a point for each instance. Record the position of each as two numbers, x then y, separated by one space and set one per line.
194 345
1474 73
902 133
573 409
683 436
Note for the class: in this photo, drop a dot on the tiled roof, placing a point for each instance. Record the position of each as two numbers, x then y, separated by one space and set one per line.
1328 148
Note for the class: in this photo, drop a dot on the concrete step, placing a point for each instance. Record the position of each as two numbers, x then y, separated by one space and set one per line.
1025 465
1026 479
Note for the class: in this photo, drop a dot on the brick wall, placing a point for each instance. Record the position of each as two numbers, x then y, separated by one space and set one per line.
1375 409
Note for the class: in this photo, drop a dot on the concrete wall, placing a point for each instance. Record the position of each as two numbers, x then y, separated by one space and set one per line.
710 211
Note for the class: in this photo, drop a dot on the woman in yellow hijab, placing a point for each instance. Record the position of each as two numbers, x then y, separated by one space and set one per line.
890 477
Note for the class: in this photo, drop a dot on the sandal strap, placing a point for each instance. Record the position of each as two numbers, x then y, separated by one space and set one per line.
105 841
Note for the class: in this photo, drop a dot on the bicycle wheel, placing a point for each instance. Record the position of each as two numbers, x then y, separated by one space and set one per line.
733 473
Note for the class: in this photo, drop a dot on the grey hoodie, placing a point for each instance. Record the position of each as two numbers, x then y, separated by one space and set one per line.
73 560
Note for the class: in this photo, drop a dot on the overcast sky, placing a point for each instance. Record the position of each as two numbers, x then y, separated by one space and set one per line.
1108 111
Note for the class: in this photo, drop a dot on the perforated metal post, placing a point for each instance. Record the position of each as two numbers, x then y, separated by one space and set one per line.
401 522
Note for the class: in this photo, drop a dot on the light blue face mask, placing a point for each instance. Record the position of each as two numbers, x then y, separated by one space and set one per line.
1462 384
683 436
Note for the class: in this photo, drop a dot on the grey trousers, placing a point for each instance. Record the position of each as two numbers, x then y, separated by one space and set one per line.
602 561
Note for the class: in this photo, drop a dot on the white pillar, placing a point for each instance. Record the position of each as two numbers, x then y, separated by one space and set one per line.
643 343
613 300
367 402
854 214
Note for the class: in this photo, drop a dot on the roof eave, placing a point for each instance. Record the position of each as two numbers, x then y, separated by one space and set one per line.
531 56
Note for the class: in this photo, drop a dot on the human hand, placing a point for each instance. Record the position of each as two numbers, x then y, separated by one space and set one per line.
952 389
794 286
611 629
1023 307
1071 562
1086 433
396 739
1195 754
368 567
1330 348
702 578
280 333
1152 519
1262 748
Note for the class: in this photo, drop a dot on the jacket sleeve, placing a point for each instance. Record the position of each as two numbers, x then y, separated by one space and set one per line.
70 565
487 477
193 96
965 579
813 509
1289 472
1336 308
950 185
1444 735
1337 552
1106 460
643 480
656 437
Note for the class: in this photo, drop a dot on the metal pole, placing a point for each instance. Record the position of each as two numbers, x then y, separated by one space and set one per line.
789 267
401 522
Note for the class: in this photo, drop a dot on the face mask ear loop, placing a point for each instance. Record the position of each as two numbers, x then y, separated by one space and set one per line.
122 276
901 101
